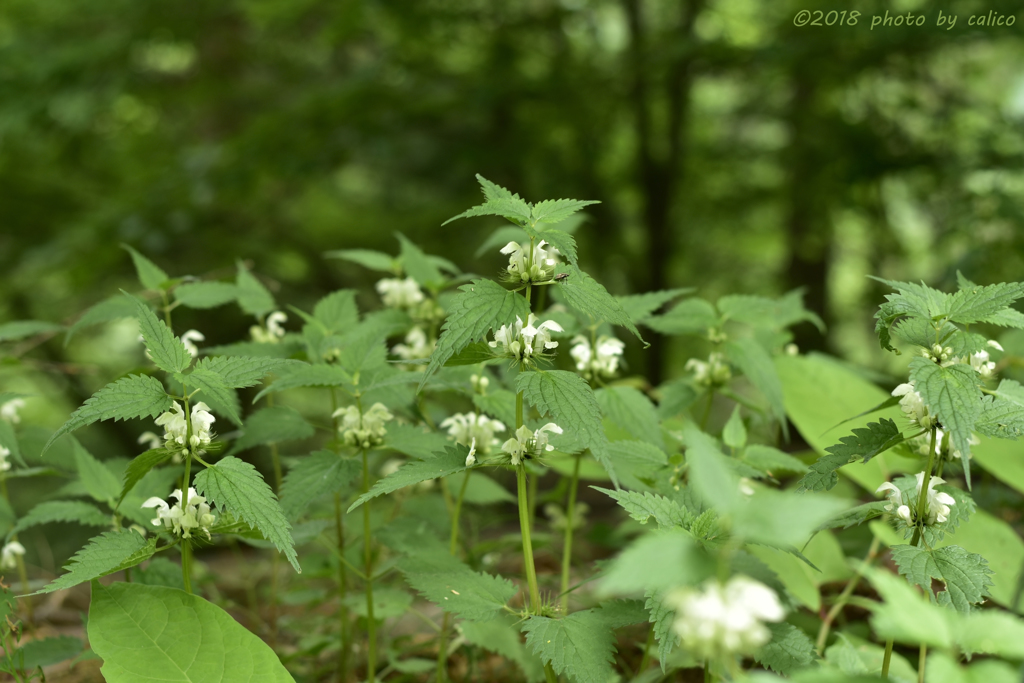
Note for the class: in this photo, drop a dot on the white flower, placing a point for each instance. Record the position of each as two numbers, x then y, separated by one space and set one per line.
189 338
364 430
895 497
937 501
913 405
525 342
273 332
149 439
604 362
201 421
725 620
471 457
8 556
792 350
746 486
397 293
479 383
473 427
529 443
195 515
4 465
176 428
524 267
995 345
416 346
9 410
713 372
982 365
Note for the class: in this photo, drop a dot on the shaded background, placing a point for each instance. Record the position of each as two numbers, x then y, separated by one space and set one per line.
732 151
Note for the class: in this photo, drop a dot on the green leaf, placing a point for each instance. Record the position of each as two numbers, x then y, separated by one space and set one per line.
644 506
113 308
374 260
500 237
236 487
140 467
1008 317
146 634
630 409
76 511
590 298
273 425
501 637
856 515
663 614
413 472
557 210
315 475
1000 418
48 651
295 376
499 202
105 554
239 372
416 442
658 560
19 329
582 645
735 432
905 616
974 304
129 397
454 587
757 365
774 314
865 442
965 575
918 300
9 440
480 307
417 265
690 316
783 519
203 295
571 403
562 241
953 395
150 275
214 392
166 350
474 354
501 403
772 461
337 311
788 650
99 482
253 297
640 307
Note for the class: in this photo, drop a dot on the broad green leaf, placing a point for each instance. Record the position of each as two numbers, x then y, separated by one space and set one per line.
562 241
296 376
856 515
116 307
590 298
499 202
581 645
965 575
757 365
663 614
480 307
105 554
150 634
19 329
236 487
953 395
239 372
975 304
710 473
501 637
633 411
129 397
570 402
316 474
374 260
214 392
454 587
151 276
203 295
139 467
414 441
166 350
501 403
907 617
474 354
760 311
661 559
387 603
772 461
557 210
919 300
413 472
991 632
865 442
76 511
337 311
640 307
253 297
1008 317
788 650
417 265
48 651
1000 418
782 519
643 506
735 432
99 482
273 425
856 657
689 316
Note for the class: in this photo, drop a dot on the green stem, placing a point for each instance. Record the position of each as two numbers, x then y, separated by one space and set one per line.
22 570
570 518
922 659
922 498
646 659
524 525
886 659
707 409
826 625
442 649
371 624
186 546
342 593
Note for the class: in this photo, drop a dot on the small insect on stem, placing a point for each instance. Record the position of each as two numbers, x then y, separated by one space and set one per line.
561 277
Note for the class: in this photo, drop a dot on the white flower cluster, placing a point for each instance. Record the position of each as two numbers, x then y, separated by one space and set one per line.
937 501
981 363
467 428
524 266
913 405
4 464
480 383
713 372
396 293
273 333
195 515
600 360
9 410
9 555
189 339
175 426
528 443
363 430
723 620
416 345
525 343
924 442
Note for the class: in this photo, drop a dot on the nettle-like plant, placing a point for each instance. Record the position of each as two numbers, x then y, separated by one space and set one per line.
384 427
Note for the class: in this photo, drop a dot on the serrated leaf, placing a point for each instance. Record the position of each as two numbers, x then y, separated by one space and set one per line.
1008 317
253 297
775 314
474 354
643 506
557 210
630 409
296 376
204 295
140 467
772 461
368 258
501 637
417 265
19 329
315 475
453 460
236 487
501 403
454 587
661 559
129 397
974 304
640 307
1000 418
337 311
112 308
734 434
239 372
150 634
865 442
581 645
499 202
105 554
151 276
856 515
965 575
789 649
571 403
663 614
757 365
905 616
913 299
480 307
952 394
99 482
590 298
562 241
273 425
76 511
166 350
214 392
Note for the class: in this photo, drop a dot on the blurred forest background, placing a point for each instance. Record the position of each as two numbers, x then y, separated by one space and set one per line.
732 151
